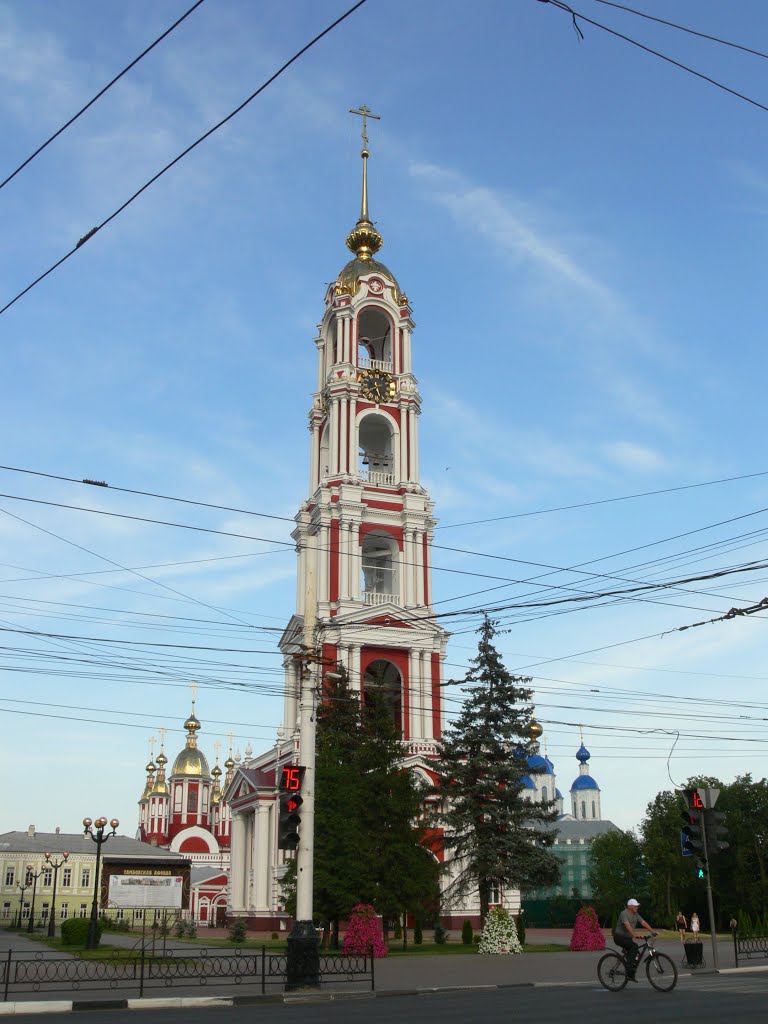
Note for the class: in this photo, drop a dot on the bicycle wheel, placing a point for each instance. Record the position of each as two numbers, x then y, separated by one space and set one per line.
612 972
661 972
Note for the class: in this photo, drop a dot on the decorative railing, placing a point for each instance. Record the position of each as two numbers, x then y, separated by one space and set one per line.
374 598
366 363
374 476
749 947
138 970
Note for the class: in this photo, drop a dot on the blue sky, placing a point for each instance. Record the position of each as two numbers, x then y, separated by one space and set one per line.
581 231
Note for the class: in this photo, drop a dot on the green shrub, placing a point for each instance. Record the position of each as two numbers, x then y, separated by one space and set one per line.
466 933
74 931
275 936
520 922
418 937
238 930
441 935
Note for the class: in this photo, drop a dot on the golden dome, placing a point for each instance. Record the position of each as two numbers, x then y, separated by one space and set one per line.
191 761
534 729
192 724
162 760
348 280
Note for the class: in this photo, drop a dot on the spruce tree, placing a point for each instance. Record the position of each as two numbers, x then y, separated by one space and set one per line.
492 834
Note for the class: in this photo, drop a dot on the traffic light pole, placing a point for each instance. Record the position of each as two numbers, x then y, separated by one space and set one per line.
303 967
710 904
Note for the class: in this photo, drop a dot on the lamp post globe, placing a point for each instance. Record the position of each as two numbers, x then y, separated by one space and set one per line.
95 829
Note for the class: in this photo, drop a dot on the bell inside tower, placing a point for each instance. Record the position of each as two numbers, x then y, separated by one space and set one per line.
376 457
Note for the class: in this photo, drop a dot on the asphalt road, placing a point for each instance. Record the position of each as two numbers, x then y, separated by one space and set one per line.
701 999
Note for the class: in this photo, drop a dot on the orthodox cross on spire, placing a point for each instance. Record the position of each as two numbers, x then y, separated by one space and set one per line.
217 748
162 732
151 748
231 741
193 688
365 113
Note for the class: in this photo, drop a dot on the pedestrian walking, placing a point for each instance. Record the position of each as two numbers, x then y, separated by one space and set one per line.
681 924
695 926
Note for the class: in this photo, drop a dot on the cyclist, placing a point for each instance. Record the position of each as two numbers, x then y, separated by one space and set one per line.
625 933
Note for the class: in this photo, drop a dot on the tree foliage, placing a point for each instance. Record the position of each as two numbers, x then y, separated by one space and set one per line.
367 846
492 834
617 871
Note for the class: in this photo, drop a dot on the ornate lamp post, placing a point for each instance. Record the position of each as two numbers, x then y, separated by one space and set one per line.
99 838
34 876
23 886
55 864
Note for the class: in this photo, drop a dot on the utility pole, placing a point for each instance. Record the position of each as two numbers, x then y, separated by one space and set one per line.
709 798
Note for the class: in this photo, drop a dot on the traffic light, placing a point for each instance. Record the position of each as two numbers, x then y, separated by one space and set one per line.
692 839
290 801
716 832
701 869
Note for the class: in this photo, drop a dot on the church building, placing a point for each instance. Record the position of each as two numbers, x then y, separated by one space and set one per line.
185 812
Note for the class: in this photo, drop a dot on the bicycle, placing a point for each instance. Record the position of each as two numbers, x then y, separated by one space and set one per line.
613 969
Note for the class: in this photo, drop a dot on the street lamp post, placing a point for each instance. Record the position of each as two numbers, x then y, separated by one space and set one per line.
34 876
23 887
99 838
55 864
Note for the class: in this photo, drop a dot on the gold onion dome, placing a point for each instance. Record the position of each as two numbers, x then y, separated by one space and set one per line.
534 729
191 761
162 760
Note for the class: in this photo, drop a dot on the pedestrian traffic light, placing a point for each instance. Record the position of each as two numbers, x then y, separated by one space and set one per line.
289 818
716 832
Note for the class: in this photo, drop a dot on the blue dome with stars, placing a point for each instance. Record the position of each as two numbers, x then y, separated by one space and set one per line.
582 754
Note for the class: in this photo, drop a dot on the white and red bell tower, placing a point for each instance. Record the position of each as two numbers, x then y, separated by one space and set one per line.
365 532
363 540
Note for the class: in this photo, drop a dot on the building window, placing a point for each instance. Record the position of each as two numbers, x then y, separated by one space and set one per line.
44 911
85 878
494 894
10 876
379 560
594 814
177 795
25 911
66 877
138 915
192 802
83 910
120 914
383 677
584 808
63 911
544 796
47 876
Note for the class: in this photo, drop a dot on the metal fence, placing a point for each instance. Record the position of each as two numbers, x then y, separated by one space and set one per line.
749 947
137 971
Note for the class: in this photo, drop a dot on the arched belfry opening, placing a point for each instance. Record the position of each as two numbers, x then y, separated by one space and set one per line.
383 678
380 583
376 449
374 346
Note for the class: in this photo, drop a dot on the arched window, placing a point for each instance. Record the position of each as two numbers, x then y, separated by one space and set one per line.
377 463
584 809
379 557
325 449
382 678
374 331
594 815
192 801
544 796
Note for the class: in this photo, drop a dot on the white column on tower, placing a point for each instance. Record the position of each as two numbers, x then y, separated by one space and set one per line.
414 695
343 558
261 848
412 448
426 703
419 545
333 416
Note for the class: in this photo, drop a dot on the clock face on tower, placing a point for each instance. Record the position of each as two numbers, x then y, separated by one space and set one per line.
378 386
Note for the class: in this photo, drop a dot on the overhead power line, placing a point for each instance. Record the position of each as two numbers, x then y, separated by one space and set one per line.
181 155
578 16
100 93
683 28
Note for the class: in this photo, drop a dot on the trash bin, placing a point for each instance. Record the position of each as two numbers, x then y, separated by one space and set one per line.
694 954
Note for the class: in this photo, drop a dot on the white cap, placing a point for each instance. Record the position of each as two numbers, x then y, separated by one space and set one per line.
632 903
